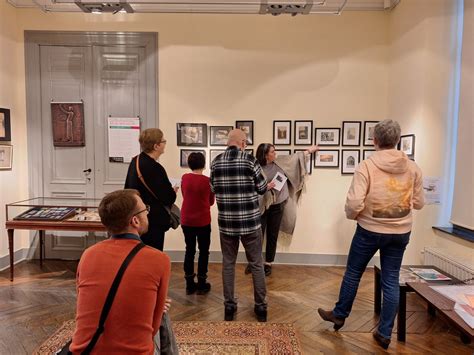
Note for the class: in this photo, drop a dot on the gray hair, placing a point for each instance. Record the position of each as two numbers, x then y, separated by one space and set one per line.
387 133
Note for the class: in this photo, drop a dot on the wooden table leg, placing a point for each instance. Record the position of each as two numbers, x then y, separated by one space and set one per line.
41 240
377 292
11 251
402 315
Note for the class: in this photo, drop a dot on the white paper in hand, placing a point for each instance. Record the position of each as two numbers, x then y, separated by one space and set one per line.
279 181
175 182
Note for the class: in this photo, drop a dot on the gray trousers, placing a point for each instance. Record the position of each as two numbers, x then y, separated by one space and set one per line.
253 250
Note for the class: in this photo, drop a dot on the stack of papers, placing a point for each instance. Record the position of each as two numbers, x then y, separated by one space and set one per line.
463 296
430 274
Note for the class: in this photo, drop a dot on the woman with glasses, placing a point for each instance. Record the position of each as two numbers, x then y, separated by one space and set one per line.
149 177
278 207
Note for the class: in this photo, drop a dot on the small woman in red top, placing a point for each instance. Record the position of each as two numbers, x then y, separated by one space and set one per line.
196 223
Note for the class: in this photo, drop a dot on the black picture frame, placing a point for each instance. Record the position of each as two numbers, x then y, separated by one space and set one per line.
282 132
407 145
320 162
349 169
5 125
309 164
351 138
283 151
249 151
323 136
248 128
303 136
366 153
368 133
213 153
191 134
218 135
184 153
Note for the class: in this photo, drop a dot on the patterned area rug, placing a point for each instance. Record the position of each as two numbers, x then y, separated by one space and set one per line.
237 338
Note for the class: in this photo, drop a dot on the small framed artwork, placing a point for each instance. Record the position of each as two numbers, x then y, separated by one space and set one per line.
326 159
407 145
6 157
369 127
192 134
68 124
350 161
309 162
185 154
303 132
247 127
219 135
351 133
367 153
5 129
327 136
283 151
213 153
249 151
282 132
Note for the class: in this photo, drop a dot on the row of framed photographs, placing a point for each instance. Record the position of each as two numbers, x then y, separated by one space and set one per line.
195 134
303 133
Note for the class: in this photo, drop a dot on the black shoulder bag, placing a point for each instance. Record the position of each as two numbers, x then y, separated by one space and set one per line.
108 303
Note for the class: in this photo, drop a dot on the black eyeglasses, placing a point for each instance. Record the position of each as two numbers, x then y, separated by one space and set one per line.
147 209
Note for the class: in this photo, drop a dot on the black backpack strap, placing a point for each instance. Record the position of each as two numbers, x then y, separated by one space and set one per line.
110 298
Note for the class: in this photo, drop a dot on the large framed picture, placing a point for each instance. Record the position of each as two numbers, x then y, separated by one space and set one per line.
6 157
351 133
183 161
219 135
303 132
247 127
213 153
327 136
68 124
309 161
283 151
5 129
191 134
282 132
350 160
326 159
367 153
369 127
407 145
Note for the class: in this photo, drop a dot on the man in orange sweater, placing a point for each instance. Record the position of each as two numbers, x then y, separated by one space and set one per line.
136 311
384 191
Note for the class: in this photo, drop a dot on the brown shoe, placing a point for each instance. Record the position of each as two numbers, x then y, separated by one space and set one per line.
330 317
381 340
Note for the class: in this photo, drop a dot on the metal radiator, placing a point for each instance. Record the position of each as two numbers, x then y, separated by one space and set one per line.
439 258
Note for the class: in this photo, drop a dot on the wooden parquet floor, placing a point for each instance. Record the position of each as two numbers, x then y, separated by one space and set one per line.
41 299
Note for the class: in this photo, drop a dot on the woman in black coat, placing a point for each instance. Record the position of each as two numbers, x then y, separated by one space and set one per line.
162 193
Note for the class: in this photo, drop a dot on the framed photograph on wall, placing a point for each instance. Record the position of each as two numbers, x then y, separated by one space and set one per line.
309 161
303 132
282 132
351 133
6 157
191 134
407 145
183 162
327 136
350 160
369 127
326 159
249 151
68 124
219 135
367 153
283 151
213 153
5 128
247 127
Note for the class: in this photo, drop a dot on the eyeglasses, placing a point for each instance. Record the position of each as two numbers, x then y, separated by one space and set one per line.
147 209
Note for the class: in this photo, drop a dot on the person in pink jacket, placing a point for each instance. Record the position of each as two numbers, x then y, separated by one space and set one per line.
384 191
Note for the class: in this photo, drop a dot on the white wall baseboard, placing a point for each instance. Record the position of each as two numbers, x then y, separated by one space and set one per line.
20 255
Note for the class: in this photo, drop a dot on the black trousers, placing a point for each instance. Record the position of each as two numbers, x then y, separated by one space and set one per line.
271 220
203 237
155 237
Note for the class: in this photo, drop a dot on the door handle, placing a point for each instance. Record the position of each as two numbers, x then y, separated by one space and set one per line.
88 171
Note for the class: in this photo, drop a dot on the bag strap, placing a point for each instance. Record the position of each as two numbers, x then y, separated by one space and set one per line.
142 179
110 297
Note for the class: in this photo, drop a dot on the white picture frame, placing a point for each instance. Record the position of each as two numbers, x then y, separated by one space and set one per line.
6 157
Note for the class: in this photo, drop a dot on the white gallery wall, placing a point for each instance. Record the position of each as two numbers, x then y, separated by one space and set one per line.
221 68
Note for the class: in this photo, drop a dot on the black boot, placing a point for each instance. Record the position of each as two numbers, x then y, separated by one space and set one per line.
191 286
203 287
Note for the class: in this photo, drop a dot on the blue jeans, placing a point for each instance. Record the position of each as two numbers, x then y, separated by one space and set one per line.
364 245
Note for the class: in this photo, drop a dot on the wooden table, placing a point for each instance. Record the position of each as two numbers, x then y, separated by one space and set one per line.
444 306
402 308
42 226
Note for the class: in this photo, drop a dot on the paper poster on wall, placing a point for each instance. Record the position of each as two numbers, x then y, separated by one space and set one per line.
123 139
432 189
